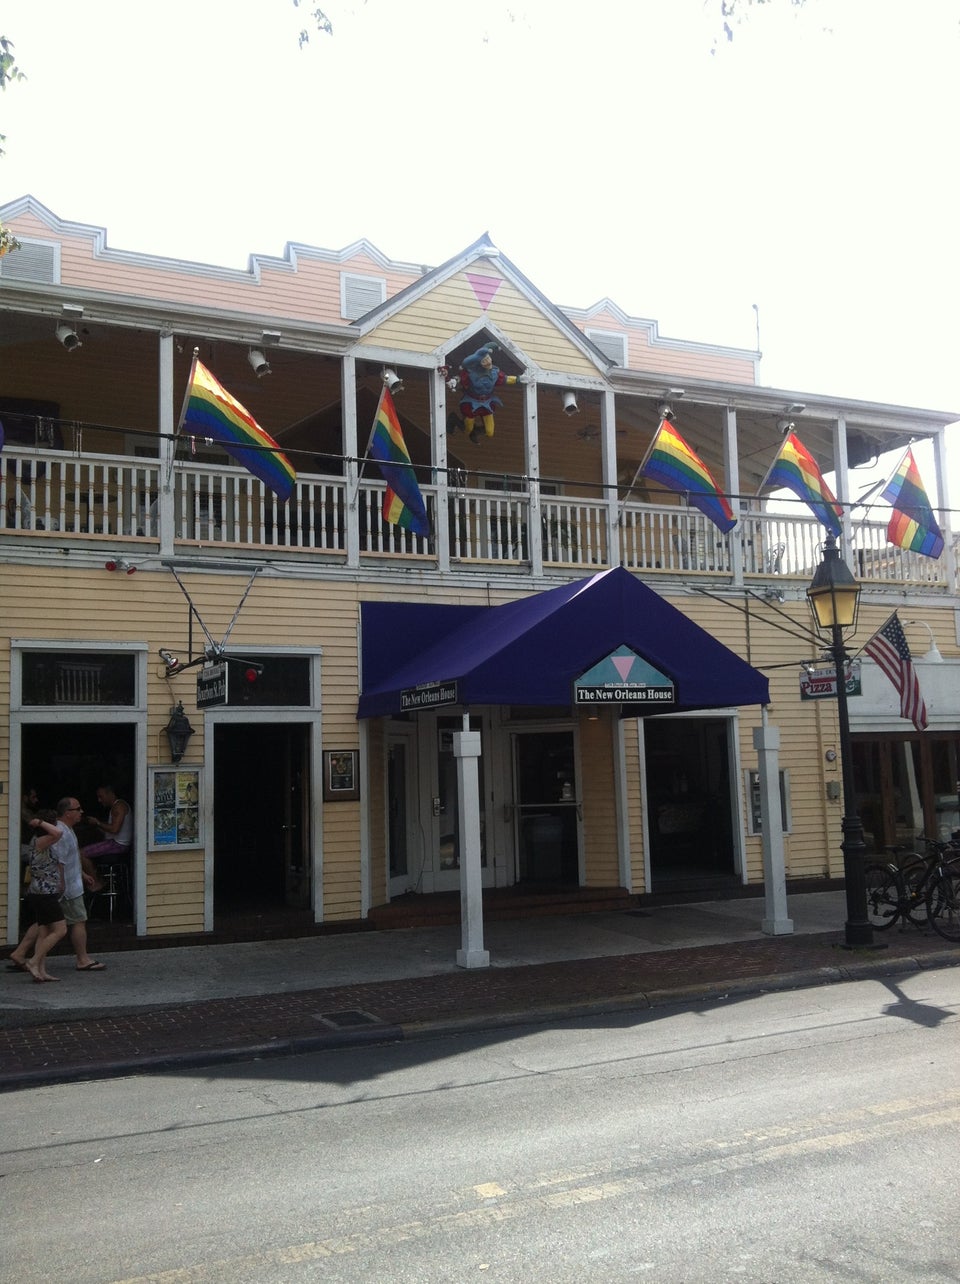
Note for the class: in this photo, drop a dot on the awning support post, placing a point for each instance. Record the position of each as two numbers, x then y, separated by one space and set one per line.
466 750
766 741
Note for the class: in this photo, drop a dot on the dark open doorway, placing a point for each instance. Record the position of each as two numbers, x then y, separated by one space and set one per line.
690 804
261 795
62 758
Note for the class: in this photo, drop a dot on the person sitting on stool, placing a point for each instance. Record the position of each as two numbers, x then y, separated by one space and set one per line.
117 834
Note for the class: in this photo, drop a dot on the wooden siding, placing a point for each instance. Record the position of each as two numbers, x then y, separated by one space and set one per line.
646 350
598 770
429 323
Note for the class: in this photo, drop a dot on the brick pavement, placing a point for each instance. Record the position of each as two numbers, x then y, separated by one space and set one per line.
219 1030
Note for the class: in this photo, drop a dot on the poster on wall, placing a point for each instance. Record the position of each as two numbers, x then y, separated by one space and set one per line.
175 811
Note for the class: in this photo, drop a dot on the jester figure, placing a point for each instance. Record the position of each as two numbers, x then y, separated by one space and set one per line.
478 378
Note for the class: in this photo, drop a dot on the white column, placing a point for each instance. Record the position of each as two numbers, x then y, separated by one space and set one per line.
766 741
731 484
466 750
166 496
351 448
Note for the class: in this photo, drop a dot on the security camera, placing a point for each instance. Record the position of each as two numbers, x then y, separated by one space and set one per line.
392 380
570 406
259 363
68 337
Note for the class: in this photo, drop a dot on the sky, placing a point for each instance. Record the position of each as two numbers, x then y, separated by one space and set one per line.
798 184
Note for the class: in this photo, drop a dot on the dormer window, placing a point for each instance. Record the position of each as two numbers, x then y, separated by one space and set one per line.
360 294
611 344
37 261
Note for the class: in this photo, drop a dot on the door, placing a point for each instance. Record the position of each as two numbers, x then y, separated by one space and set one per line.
689 803
445 807
547 809
260 800
402 853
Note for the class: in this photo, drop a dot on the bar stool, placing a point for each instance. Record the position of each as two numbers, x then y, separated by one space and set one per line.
116 885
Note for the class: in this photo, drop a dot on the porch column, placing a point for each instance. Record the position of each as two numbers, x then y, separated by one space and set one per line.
608 445
351 469
534 530
766 741
466 750
731 468
841 464
441 475
945 512
165 492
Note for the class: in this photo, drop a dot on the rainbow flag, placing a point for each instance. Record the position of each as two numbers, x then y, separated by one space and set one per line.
796 469
912 524
672 463
210 411
402 504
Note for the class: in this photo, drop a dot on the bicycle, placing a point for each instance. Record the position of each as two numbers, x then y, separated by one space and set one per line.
921 889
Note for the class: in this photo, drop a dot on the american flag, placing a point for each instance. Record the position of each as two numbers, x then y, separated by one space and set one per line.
888 647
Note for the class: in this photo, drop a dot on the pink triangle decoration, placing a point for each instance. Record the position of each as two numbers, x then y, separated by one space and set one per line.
484 287
623 664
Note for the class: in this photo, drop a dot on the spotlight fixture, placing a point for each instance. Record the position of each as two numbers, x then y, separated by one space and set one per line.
392 380
570 406
120 564
68 336
258 362
933 655
170 660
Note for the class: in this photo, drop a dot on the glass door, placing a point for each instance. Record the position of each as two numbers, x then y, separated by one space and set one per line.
547 808
446 808
401 811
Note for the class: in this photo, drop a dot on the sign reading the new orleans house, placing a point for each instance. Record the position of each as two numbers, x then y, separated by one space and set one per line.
429 696
623 677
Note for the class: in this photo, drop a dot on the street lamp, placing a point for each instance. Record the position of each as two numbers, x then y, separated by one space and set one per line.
834 597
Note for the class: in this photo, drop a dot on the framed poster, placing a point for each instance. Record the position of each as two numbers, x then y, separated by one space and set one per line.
340 780
175 808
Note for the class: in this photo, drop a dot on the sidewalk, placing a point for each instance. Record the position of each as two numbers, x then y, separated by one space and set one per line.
159 1009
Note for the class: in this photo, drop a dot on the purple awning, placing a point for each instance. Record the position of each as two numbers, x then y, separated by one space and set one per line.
531 651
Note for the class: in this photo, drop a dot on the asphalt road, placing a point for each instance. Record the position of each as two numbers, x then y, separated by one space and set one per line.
797 1136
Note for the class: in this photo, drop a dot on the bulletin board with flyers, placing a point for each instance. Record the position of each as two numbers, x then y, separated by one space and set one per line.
176 811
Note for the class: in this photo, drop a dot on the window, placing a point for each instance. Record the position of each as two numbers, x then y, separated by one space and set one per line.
753 795
611 344
34 261
269 680
79 678
359 294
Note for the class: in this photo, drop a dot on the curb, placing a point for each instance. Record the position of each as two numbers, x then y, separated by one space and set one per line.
387 1032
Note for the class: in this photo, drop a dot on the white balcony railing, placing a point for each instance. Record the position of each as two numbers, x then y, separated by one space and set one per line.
100 496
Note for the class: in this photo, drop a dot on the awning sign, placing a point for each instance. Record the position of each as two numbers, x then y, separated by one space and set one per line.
819 681
429 696
211 685
623 677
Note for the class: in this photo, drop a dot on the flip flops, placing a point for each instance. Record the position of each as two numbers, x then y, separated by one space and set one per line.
92 967
14 966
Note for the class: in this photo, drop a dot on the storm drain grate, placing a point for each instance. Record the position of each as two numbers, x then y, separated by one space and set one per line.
347 1020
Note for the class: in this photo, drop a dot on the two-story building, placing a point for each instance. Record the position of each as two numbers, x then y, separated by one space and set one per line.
322 779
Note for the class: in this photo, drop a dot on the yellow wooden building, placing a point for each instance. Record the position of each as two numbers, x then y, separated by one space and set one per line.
134 558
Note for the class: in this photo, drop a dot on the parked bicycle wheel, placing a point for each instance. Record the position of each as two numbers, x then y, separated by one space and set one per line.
913 871
943 903
885 893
